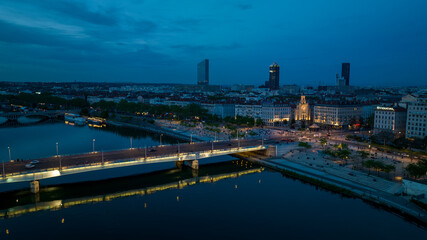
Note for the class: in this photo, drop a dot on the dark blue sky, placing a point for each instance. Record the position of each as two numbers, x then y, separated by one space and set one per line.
161 41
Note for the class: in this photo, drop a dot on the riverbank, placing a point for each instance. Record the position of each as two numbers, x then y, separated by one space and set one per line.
181 135
400 205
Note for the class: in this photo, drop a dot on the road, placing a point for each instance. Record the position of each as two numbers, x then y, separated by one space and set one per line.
112 156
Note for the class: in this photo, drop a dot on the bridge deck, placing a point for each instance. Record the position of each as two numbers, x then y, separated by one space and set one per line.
161 153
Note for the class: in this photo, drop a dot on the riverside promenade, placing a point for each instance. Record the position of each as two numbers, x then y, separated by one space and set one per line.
379 191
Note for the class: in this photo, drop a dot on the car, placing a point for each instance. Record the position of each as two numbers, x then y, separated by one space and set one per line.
29 166
34 162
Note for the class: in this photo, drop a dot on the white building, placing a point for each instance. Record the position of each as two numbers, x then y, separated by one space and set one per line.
390 119
272 113
417 118
254 111
336 114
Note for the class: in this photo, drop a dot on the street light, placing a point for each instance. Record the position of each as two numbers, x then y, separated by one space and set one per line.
57 152
161 139
130 142
93 145
4 173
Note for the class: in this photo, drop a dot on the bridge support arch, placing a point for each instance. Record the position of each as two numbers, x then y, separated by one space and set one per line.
179 164
194 164
271 151
35 186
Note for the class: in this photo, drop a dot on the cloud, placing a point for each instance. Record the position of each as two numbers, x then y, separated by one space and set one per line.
79 10
202 48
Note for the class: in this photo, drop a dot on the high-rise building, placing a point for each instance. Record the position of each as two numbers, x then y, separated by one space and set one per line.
345 73
274 76
203 72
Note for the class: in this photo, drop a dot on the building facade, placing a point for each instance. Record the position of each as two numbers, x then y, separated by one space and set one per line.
275 113
391 119
253 111
273 81
345 73
203 72
417 118
336 114
368 111
302 111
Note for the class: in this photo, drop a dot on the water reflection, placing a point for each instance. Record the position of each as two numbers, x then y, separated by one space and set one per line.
56 198
40 140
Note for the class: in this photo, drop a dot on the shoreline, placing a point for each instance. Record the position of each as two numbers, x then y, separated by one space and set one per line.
158 130
409 211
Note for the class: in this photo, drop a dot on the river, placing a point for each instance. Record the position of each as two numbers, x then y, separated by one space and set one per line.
240 201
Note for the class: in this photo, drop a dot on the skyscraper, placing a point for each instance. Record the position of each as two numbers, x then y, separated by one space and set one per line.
274 76
203 72
345 73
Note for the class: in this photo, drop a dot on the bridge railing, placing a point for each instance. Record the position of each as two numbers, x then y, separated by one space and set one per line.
125 149
132 160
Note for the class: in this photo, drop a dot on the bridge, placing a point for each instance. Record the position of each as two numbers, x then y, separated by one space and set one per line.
62 165
12 117
97 193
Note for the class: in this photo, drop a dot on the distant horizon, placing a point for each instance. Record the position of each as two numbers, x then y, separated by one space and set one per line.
141 41
192 84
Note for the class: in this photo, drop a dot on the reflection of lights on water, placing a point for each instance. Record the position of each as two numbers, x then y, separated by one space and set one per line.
177 198
235 186
63 220
145 205
7 231
259 181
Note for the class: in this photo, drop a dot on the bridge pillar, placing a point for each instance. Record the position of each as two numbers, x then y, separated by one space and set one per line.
194 164
195 172
179 164
271 151
35 186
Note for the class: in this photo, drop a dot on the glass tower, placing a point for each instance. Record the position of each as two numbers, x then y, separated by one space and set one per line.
203 72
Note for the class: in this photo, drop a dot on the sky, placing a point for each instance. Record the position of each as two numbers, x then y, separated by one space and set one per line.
152 41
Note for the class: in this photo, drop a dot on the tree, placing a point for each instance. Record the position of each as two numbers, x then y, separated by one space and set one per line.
285 122
368 164
370 121
84 112
259 122
417 169
363 154
104 114
323 142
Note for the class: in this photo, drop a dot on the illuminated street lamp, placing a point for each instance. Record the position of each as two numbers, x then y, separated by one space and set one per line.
57 151
161 139
93 145
130 142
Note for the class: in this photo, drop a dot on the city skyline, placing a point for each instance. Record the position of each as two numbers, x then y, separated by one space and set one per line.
94 41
